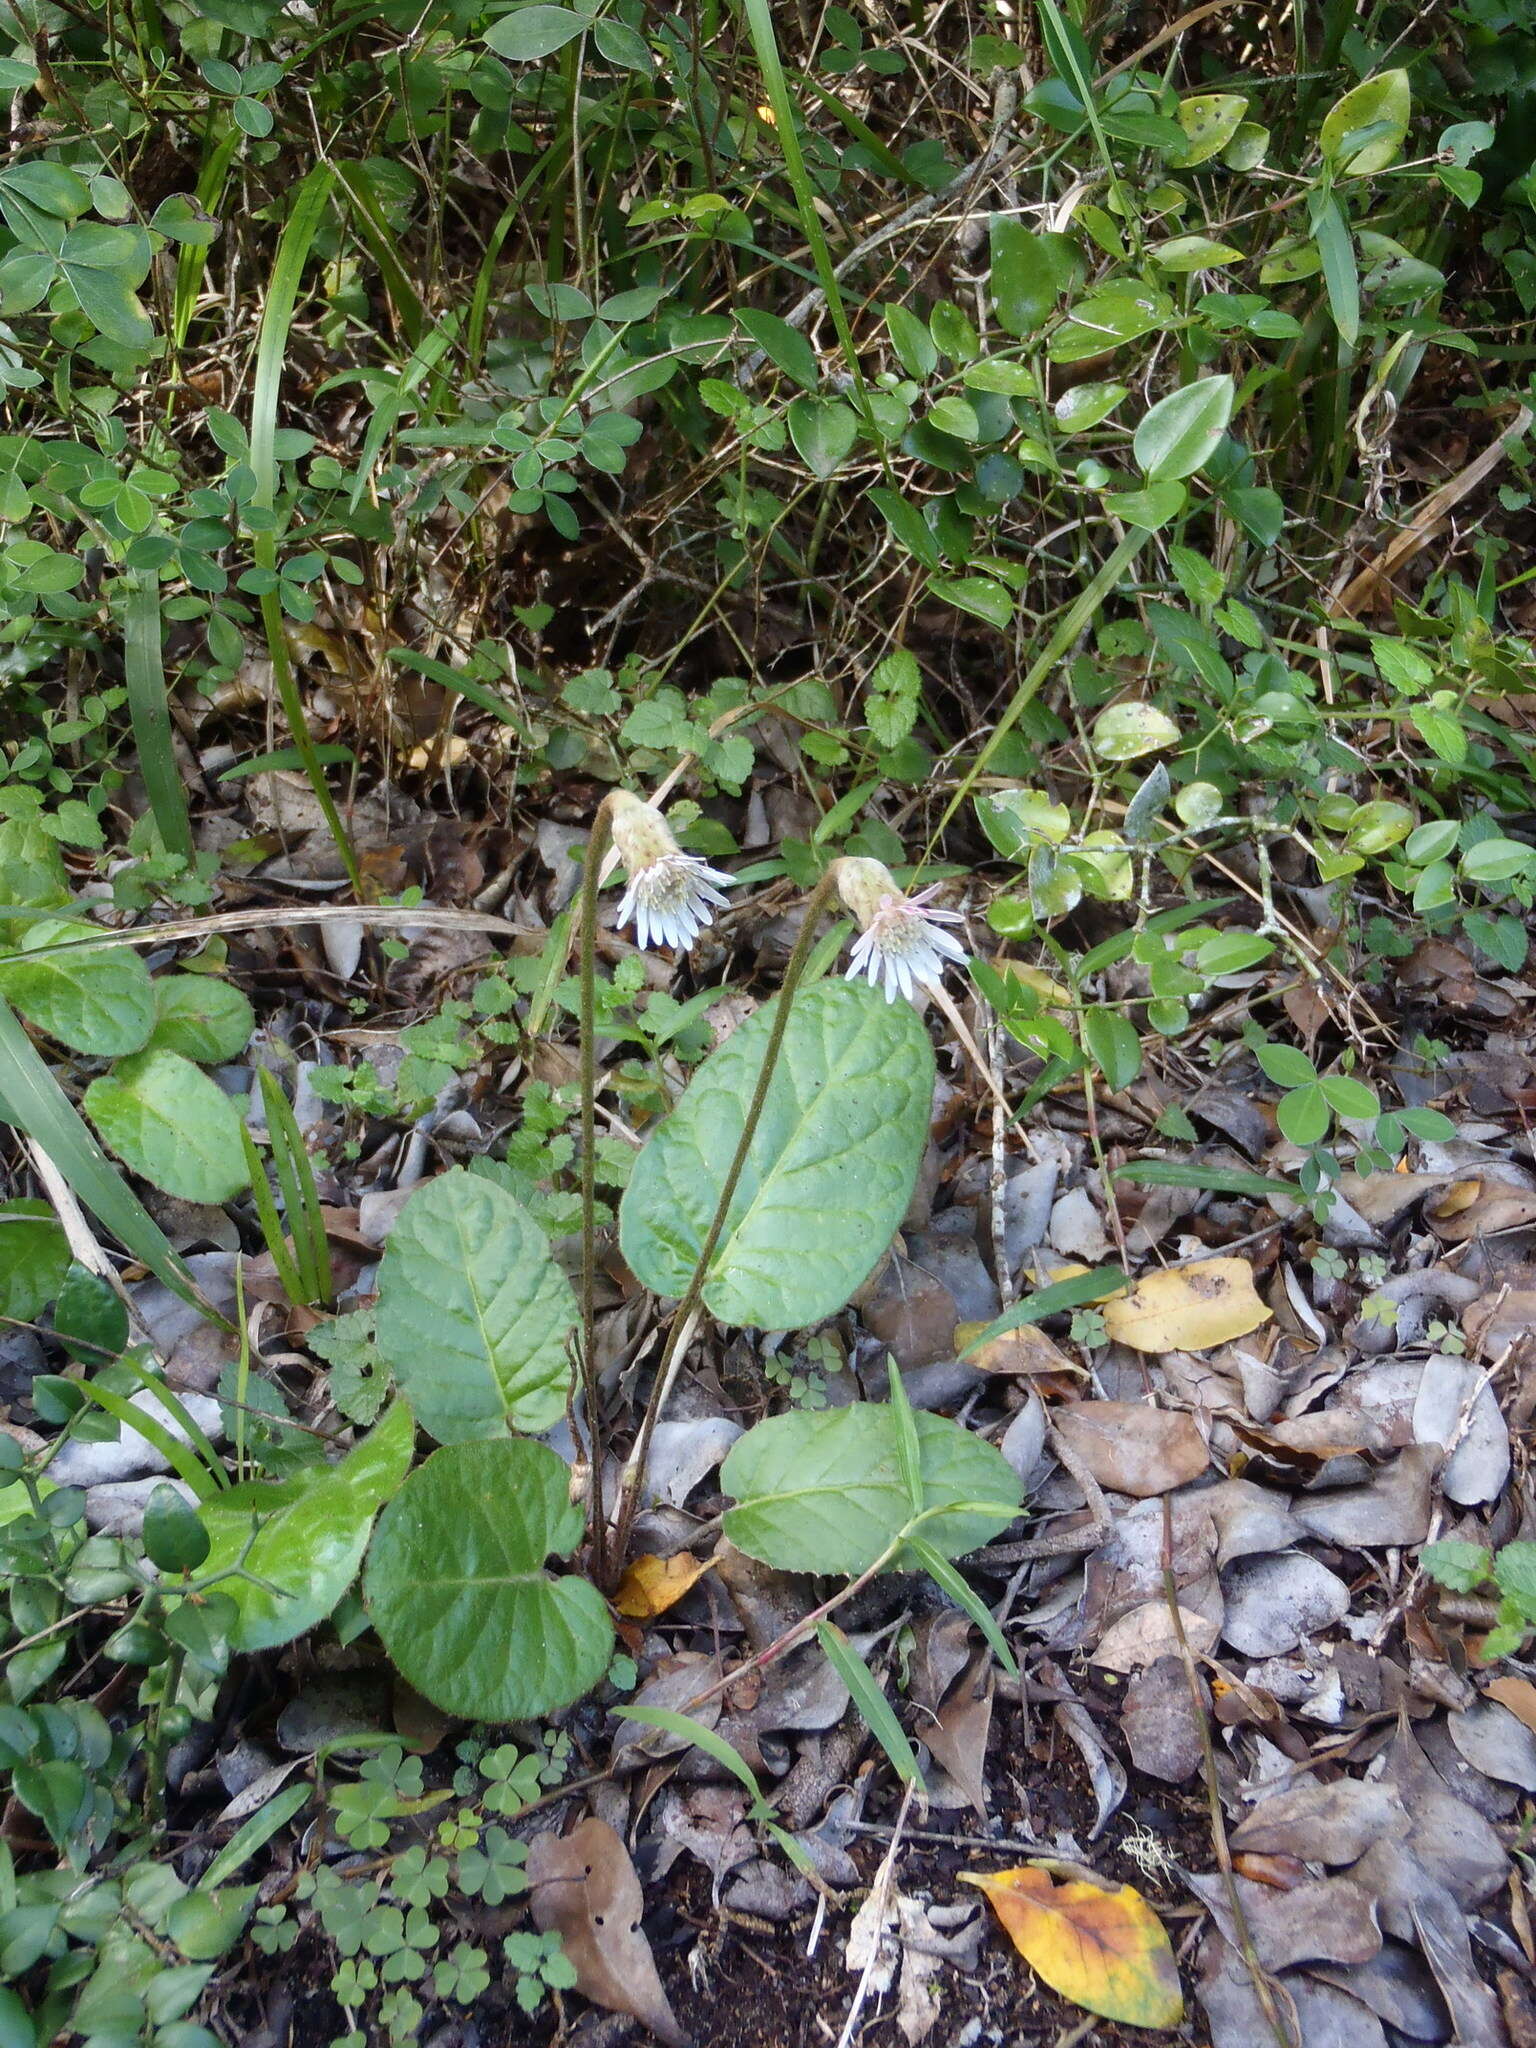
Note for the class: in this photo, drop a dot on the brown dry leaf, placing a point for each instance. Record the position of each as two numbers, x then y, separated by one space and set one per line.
1160 1724
1187 1308
1147 1633
1327 1919
583 1886
1519 1695
1323 1823
653 1584
1133 1449
1024 1350
1104 1949
1478 1208
1500 1320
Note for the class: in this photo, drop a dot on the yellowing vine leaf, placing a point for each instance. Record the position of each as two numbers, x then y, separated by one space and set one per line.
1103 1949
1189 1308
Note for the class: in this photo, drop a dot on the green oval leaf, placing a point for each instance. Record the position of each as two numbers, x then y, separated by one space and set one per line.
473 1312
1112 1043
825 1492
1382 104
534 32
164 1118
1184 430
829 1173
1124 732
823 431
202 1018
311 1533
34 1258
1209 120
97 999
457 1590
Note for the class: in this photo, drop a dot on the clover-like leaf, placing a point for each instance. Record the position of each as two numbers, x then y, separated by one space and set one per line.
457 1589
828 1175
473 1312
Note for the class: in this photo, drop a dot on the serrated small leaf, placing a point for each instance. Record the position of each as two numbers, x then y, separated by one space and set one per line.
97 999
165 1119
201 1017
456 1585
473 1312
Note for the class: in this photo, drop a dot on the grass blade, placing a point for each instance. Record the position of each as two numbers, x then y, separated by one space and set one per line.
144 675
909 1454
255 1833
32 1100
309 204
871 1703
948 1580
183 1461
1050 1301
1213 1180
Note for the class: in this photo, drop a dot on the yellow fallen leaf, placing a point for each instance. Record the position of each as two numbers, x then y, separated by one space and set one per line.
653 1584
1104 1949
1189 1308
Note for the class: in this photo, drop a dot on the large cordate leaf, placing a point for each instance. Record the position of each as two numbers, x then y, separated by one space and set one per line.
830 1169
824 1492
473 1312
96 999
164 1117
311 1532
458 1592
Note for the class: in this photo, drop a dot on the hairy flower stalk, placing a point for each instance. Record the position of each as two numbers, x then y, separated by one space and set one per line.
902 942
671 894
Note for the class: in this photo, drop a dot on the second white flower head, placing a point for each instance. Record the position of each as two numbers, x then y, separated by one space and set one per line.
671 894
902 943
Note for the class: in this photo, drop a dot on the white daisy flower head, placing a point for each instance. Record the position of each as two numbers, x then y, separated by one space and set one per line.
671 894
902 942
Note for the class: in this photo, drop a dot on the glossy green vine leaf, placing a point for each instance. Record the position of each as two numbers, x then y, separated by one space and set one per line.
311 1532
473 1312
1363 131
824 1492
458 1592
827 1178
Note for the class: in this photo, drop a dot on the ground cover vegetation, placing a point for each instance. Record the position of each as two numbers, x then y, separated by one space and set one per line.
766 1038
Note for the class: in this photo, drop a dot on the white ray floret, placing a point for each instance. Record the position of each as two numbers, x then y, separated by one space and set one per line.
903 945
672 895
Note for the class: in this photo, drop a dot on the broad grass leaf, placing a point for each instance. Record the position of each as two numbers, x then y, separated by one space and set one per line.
163 1117
97 999
457 1589
824 1492
474 1312
311 1534
828 1175
1106 1950
1187 1308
